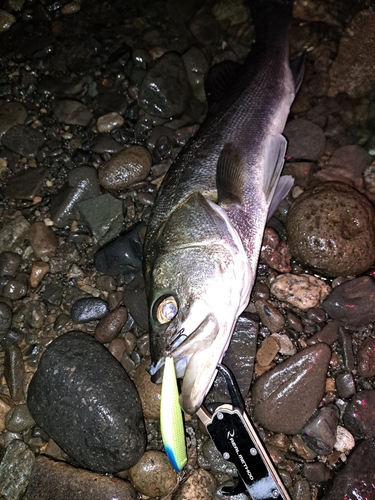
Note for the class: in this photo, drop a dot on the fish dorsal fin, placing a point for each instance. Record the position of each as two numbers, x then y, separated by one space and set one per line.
230 175
218 78
297 67
274 152
283 187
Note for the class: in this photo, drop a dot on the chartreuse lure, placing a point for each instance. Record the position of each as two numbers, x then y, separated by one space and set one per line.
171 422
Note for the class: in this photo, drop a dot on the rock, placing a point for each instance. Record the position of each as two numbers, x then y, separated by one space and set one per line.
82 397
72 112
14 371
212 459
270 316
275 252
352 302
345 385
9 263
330 228
11 114
199 485
60 481
196 66
153 475
26 185
89 309
23 140
13 234
149 393
110 326
346 349
285 397
130 165
5 317
267 351
351 160
306 140
303 291
359 416
19 419
109 122
353 71
366 358
328 334
15 470
135 300
5 405
319 433
356 479
15 289
316 472
164 92
42 239
105 143
345 442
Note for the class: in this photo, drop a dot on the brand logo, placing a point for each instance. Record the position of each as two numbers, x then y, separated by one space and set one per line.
230 437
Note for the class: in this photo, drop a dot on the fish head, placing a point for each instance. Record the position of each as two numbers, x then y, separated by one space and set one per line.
197 295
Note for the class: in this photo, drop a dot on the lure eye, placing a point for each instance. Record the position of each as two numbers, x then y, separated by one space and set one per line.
166 310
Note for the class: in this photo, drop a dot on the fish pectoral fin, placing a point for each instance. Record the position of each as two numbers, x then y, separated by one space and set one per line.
283 187
230 175
218 78
297 67
274 153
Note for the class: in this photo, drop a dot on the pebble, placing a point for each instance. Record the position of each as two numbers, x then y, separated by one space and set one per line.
213 460
287 348
366 358
89 309
345 385
13 234
135 300
5 405
275 252
328 334
270 316
23 140
110 326
302 172
15 470
18 418
117 348
301 490
11 114
302 291
316 472
153 475
353 69
319 433
149 393
356 479
359 416
26 185
196 66
345 441
9 263
105 143
130 165
351 160
14 371
302 449
267 351
301 382
109 122
102 429
352 302
199 485
306 140
43 240
330 228
5 317
72 112
15 289
61 481
164 91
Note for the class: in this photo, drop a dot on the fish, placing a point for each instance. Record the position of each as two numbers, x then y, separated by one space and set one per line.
171 421
205 231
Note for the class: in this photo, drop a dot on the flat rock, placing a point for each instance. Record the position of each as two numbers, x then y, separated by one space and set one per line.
23 140
61 481
11 114
83 398
285 397
72 112
26 185
359 416
319 433
330 228
352 302
14 233
15 470
366 358
306 140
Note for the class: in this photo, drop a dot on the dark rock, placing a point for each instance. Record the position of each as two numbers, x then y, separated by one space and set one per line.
330 228
366 358
352 302
23 140
83 398
275 252
328 334
109 327
26 185
15 470
15 289
5 317
136 301
359 416
72 112
105 143
42 239
121 256
316 472
285 397
306 140
345 385
89 309
319 433
164 91
18 418
9 263
346 348
14 371
11 114
14 233
357 478
61 481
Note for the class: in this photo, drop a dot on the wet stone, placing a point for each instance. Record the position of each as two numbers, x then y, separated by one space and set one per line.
352 302
328 334
352 159
61 481
270 316
110 326
318 241
319 433
200 484
18 418
15 470
317 472
9 263
366 358
14 371
301 380
149 392
109 122
267 351
345 385
5 317
212 459
105 143
69 398
72 112
15 289
359 416
135 300
89 309
26 185
356 479
301 490
11 114
302 291
346 348
164 91
275 252
196 66
306 140
42 239
23 140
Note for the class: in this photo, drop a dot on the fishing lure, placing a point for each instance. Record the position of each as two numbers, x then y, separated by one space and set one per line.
171 422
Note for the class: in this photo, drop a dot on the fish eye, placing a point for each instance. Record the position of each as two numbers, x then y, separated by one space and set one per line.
166 310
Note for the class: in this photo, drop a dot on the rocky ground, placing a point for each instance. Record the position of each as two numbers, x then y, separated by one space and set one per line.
96 100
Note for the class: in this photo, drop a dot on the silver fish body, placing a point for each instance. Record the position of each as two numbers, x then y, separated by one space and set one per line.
205 232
